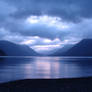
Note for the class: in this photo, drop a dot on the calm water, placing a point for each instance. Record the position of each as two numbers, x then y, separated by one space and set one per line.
15 68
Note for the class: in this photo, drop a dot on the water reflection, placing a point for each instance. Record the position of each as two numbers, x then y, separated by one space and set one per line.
44 67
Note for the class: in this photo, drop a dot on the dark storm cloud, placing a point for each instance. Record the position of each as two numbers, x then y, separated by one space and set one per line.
69 10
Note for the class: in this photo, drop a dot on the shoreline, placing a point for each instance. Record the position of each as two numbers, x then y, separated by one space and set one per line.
49 85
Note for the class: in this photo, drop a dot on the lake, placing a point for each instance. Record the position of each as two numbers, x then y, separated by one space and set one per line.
15 68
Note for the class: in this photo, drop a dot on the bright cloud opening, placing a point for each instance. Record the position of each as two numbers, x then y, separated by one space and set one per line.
43 44
47 41
42 48
47 20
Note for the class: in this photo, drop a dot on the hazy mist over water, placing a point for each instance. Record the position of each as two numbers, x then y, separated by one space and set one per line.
15 68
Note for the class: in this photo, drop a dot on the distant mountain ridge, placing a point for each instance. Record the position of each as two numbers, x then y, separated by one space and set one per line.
12 49
62 50
83 48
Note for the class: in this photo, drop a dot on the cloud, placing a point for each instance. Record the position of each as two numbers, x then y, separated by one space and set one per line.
35 40
50 27
6 10
45 22
82 30
70 10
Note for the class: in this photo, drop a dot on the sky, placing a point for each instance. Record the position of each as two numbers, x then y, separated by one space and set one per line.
45 25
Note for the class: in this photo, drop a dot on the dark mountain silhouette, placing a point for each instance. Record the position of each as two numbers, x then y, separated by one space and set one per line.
62 50
83 48
2 53
12 49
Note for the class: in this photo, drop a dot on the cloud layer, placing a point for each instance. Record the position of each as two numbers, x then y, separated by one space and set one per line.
22 20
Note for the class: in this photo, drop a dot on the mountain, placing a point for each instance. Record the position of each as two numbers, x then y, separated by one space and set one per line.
83 48
12 49
60 51
2 53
